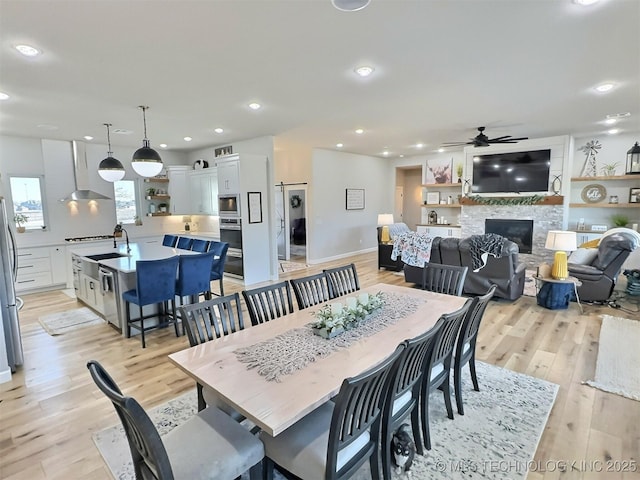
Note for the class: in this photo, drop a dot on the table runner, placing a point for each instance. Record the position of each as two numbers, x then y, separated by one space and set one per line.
293 350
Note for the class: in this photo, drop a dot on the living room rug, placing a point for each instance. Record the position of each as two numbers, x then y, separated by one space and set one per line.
529 283
286 266
63 322
618 361
496 437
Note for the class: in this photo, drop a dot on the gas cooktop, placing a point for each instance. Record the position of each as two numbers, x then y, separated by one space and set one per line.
88 239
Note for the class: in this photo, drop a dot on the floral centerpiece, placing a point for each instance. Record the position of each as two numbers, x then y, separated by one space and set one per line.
334 318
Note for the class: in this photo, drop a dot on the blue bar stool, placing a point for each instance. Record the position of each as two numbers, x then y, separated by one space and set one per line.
169 240
198 245
155 284
217 269
184 243
193 276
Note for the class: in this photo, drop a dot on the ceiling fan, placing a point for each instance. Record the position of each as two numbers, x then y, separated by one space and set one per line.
481 140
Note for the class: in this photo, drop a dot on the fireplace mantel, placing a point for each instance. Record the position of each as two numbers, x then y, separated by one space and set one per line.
547 200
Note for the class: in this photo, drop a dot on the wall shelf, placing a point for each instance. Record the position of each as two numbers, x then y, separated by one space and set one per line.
156 180
159 214
442 185
600 179
441 205
157 197
604 205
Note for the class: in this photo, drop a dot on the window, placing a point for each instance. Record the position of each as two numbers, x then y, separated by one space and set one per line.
126 202
27 194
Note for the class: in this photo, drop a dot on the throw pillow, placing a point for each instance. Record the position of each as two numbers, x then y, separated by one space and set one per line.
583 256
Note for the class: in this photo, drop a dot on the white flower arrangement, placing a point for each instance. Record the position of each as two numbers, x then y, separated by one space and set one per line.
337 316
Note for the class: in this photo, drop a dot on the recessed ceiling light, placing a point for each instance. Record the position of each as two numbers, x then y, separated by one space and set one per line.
218 130
359 131
339 145
604 87
419 145
610 121
619 115
3 96
364 70
440 150
585 3
401 156
254 106
187 139
163 145
88 137
350 5
385 153
28 50
613 131
45 126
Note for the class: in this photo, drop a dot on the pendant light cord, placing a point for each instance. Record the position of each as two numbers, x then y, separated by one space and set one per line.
109 152
144 120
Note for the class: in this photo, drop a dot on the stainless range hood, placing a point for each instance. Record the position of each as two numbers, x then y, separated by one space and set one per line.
81 175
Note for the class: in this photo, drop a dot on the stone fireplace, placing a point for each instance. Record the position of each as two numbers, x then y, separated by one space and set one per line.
544 217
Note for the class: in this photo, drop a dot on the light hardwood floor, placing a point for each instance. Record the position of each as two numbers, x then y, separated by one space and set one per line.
51 407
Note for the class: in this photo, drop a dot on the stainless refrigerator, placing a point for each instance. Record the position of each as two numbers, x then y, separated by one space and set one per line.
8 300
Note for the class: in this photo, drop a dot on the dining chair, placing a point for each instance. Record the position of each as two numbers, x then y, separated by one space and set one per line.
207 445
436 373
466 344
193 276
169 240
198 245
155 284
447 279
206 321
310 290
184 243
342 280
268 303
403 394
338 437
217 269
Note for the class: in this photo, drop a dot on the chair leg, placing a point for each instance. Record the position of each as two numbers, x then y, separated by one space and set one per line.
457 385
446 390
472 368
127 309
221 288
385 446
374 465
267 469
255 472
201 403
415 427
424 407
142 326
175 315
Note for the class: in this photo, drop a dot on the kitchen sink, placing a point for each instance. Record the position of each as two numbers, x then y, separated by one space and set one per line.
104 256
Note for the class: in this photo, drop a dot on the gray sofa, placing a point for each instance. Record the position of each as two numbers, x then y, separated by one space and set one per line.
506 272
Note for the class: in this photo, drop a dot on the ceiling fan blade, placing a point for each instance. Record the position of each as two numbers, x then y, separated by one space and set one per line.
456 144
498 139
506 141
519 138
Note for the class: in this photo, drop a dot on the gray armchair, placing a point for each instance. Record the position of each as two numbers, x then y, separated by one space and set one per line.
600 276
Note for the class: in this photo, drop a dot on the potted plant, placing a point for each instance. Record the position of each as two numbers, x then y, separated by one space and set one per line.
609 169
20 220
162 207
619 220
334 318
459 171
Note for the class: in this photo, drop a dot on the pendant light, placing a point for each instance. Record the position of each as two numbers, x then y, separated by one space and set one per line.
146 162
110 169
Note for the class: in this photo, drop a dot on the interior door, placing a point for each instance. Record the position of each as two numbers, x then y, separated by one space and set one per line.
282 232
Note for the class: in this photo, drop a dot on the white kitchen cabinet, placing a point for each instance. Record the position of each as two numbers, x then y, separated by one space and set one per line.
178 176
34 269
91 293
440 231
203 187
58 264
228 175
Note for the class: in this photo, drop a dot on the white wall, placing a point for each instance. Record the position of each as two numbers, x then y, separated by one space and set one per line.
333 231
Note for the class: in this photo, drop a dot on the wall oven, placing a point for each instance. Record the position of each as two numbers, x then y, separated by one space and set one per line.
229 205
231 233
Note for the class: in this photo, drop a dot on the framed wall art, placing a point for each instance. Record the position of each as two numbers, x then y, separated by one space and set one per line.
355 199
255 207
634 195
439 170
433 198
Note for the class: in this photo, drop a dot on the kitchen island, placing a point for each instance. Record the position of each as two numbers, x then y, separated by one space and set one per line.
105 279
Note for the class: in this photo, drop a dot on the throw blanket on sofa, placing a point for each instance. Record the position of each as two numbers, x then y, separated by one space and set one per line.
413 247
484 245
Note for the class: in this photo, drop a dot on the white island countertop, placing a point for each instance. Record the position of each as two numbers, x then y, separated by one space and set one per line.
139 251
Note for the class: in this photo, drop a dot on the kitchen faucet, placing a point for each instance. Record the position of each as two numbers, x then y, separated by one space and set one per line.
118 229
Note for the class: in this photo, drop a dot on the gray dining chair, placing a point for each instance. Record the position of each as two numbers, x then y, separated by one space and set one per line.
310 290
268 303
342 280
208 445
448 279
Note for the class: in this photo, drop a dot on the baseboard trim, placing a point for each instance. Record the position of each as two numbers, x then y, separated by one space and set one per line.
5 375
342 255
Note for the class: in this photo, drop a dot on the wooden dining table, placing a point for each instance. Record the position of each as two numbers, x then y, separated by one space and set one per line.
275 405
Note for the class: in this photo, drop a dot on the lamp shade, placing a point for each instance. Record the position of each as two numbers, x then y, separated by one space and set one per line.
146 162
385 219
111 170
561 240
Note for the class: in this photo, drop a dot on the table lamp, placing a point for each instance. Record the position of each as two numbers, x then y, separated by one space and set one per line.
562 242
384 220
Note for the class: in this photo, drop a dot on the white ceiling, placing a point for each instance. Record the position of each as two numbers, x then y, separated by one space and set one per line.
442 68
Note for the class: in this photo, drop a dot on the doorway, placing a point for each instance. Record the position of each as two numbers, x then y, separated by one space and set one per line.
291 219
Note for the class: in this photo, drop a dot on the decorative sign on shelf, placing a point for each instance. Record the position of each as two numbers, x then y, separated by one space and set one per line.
355 199
218 152
593 193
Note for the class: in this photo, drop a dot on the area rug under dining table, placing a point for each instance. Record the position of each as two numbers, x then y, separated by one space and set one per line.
495 439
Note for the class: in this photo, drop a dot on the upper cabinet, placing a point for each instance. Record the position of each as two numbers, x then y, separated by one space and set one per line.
179 189
228 175
203 188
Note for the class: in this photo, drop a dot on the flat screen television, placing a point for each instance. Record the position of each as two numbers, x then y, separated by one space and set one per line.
514 172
